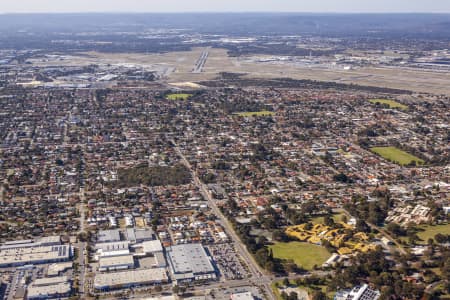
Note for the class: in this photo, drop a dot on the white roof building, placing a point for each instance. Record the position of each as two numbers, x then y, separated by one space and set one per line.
190 262
34 255
363 292
151 247
242 296
46 288
55 269
106 281
114 263
112 235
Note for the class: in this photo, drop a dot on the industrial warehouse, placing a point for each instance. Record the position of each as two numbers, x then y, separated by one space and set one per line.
109 281
48 288
24 252
190 262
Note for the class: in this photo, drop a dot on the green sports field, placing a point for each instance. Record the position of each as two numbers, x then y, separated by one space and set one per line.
396 155
182 96
262 113
305 255
391 103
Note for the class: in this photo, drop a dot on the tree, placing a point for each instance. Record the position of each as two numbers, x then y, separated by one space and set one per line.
319 295
293 296
83 236
175 289
362 226
441 238
158 288
286 282
328 221
413 238
308 226
395 229
279 235
341 177
291 267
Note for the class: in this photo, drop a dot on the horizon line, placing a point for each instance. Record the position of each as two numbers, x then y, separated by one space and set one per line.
227 12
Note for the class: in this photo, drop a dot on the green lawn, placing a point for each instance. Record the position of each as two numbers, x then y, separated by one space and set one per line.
180 96
308 289
396 155
262 113
305 255
320 220
427 231
391 103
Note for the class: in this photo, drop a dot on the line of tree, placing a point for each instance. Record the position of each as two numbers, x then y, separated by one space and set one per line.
153 176
301 83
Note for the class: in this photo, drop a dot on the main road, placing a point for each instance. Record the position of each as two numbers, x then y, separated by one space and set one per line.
255 270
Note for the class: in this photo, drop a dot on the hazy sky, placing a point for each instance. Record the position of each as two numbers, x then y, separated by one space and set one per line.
224 5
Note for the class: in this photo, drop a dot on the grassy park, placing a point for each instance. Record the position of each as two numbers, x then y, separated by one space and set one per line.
427 231
304 255
396 155
263 113
390 103
320 220
181 96
308 289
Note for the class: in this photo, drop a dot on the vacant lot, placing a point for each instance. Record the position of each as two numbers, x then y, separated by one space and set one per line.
178 96
396 155
305 255
263 113
390 103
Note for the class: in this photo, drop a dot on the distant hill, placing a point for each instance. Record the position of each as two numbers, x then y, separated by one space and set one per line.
421 25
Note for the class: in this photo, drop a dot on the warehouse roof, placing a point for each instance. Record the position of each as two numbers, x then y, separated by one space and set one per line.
49 286
146 276
34 255
112 235
114 261
152 246
189 258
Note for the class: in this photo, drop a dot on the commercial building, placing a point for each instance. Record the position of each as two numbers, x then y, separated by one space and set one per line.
135 235
115 263
112 249
44 241
118 280
170 297
112 235
57 269
50 240
332 260
242 296
152 247
34 255
160 260
363 292
48 288
190 262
